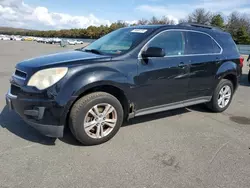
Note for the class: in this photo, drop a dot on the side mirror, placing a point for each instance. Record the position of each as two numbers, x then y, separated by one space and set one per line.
153 52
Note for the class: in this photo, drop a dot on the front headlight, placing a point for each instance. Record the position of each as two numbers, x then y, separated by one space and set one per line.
47 77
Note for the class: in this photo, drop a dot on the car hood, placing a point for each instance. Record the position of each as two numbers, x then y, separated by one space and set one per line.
59 59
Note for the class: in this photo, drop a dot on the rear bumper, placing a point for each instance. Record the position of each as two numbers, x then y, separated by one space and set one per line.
42 114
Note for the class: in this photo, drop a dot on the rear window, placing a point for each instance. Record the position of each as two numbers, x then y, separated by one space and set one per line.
199 43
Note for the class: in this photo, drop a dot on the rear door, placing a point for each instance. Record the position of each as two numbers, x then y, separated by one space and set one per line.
204 55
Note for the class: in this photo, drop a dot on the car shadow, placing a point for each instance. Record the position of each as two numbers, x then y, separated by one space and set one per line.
152 117
244 80
68 138
13 123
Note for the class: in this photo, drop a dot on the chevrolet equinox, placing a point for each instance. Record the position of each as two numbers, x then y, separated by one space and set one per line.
129 72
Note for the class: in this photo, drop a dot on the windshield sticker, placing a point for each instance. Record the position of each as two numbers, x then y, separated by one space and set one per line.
139 31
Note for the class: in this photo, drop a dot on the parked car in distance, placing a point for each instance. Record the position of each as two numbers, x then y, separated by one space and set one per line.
46 40
79 42
15 38
5 38
130 72
72 42
27 39
55 41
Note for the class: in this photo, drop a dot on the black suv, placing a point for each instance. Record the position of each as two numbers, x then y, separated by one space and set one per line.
130 72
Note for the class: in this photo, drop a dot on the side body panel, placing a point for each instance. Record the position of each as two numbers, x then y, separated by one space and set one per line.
161 81
202 75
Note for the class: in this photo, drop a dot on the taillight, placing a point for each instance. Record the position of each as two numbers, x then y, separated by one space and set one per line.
241 61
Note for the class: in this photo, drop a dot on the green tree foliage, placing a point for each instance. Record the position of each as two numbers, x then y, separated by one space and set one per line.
242 36
217 21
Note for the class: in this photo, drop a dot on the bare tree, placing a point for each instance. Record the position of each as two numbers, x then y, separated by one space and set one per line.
182 21
142 22
166 20
200 16
235 22
154 21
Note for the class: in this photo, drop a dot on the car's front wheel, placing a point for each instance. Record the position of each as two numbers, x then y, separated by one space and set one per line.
222 96
96 118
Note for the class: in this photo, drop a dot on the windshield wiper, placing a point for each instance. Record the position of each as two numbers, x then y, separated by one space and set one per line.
93 51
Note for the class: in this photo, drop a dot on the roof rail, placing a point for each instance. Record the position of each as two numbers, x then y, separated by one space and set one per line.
199 25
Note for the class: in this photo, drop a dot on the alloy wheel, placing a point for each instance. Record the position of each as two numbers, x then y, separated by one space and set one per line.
100 120
224 96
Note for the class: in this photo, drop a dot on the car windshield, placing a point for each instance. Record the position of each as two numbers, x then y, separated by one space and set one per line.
119 41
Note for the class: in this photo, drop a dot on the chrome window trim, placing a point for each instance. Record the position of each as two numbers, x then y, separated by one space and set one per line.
186 55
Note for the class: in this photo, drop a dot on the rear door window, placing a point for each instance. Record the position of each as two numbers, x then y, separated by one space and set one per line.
200 43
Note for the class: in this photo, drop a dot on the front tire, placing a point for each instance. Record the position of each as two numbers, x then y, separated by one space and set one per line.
222 96
96 118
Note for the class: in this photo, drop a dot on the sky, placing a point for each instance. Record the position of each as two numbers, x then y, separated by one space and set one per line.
65 14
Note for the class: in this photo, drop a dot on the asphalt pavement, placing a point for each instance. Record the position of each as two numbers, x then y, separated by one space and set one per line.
184 148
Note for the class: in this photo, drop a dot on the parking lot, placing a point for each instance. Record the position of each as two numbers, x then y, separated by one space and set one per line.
184 148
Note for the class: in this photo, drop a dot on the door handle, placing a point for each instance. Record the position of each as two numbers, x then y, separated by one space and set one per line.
182 65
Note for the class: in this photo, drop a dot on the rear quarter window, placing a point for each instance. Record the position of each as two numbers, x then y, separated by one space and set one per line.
228 43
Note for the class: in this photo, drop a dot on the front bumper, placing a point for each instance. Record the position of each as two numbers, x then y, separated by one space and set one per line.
41 113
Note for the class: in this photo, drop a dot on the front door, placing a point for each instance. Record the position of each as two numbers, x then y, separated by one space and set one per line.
163 80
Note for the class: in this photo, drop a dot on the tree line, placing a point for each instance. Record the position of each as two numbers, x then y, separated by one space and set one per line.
237 24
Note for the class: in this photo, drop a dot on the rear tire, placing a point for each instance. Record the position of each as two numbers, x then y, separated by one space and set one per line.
222 96
96 128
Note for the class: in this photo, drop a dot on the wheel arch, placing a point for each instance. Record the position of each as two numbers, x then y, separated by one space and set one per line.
233 79
228 70
103 87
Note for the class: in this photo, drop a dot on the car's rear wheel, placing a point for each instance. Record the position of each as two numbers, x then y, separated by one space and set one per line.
222 96
96 118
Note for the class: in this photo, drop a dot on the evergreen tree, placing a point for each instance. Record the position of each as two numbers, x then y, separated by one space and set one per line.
217 21
242 36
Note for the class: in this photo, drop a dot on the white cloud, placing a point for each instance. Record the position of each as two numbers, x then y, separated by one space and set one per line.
168 11
221 5
131 22
178 11
16 13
